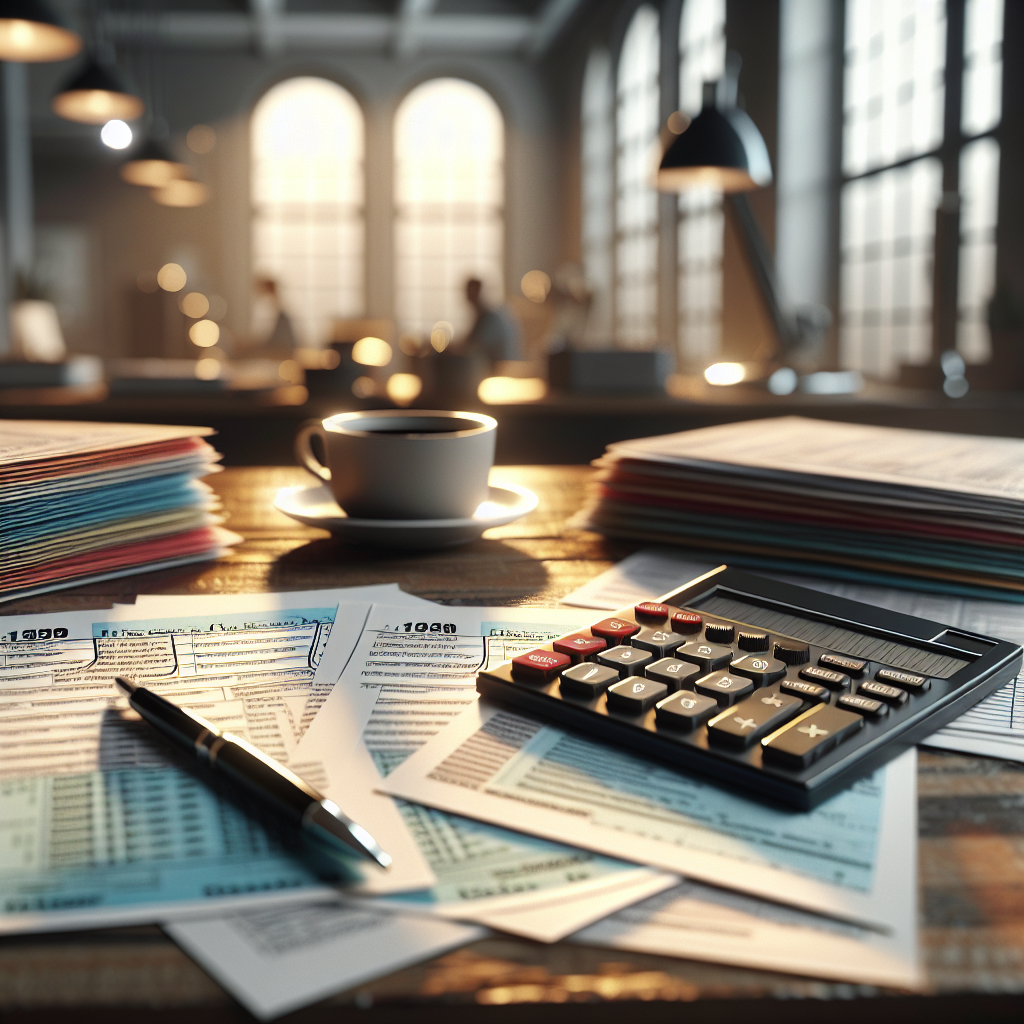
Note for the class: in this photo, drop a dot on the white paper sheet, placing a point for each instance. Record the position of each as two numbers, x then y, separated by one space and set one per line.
699 922
852 857
401 685
993 728
275 960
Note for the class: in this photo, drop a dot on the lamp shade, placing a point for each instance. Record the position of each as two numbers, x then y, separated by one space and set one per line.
152 166
94 95
181 192
31 33
721 149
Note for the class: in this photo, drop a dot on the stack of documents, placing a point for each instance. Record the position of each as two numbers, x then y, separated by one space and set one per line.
943 512
86 501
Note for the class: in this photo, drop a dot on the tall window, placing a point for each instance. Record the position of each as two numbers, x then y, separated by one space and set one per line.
307 190
895 162
979 174
449 200
636 201
701 218
597 146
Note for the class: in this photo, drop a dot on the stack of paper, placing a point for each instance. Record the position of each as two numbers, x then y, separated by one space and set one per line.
86 501
851 502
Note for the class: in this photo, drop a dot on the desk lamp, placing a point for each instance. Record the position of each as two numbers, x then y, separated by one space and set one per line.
722 149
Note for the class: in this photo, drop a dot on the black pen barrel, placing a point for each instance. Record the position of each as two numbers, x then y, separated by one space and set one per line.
177 724
244 765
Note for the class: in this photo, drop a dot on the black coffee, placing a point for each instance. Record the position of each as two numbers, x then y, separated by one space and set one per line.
450 427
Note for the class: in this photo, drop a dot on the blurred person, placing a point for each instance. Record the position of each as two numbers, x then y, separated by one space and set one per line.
496 333
271 325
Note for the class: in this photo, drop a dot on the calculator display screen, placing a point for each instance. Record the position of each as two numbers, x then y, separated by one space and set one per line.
836 638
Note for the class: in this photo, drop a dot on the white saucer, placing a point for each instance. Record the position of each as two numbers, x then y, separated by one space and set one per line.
315 506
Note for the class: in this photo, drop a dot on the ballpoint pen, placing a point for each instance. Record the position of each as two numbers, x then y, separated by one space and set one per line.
254 771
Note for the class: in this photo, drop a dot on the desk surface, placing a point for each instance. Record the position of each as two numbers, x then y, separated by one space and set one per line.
971 827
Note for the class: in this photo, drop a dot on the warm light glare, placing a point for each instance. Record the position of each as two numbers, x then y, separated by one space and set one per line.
181 193
195 305
721 179
364 387
97 106
441 335
409 344
404 388
317 358
208 369
291 371
151 173
505 390
535 285
171 277
371 352
116 135
204 333
201 138
677 122
724 373
32 42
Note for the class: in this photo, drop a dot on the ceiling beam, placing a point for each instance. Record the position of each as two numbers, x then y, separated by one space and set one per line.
436 33
549 23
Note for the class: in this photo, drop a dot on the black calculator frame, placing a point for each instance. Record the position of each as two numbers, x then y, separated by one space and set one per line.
991 664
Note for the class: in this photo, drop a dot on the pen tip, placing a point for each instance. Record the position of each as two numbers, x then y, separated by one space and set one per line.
126 684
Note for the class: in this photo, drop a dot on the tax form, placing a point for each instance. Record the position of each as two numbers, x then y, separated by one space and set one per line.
407 677
101 824
853 857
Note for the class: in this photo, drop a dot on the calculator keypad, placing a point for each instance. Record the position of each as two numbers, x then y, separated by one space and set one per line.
707 657
748 721
627 661
759 668
732 690
723 687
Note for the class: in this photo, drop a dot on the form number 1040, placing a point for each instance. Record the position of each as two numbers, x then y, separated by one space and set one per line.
427 627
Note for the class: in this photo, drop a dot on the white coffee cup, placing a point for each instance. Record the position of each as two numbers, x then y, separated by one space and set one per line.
403 463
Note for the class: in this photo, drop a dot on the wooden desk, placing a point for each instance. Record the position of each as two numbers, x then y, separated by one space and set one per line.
971 837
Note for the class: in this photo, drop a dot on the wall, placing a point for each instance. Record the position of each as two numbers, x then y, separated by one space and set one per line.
77 184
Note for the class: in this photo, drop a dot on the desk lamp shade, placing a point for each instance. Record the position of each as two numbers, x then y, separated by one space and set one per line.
152 166
94 95
721 149
31 33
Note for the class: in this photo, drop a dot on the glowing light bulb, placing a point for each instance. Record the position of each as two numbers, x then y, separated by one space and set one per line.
116 134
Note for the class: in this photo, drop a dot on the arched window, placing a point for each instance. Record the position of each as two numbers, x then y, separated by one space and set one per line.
449 200
307 190
636 201
701 218
597 153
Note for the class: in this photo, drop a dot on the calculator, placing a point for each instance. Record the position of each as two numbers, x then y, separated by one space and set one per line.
783 692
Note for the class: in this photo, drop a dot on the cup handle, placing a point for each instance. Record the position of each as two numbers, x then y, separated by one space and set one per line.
304 451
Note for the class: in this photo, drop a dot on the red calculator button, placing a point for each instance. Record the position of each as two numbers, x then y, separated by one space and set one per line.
686 622
652 610
615 629
540 664
579 647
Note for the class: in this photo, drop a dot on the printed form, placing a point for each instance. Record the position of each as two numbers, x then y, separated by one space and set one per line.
99 821
406 679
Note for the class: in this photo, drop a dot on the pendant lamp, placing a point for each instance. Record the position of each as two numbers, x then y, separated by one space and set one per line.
152 166
721 149
95 95
182 193
31 33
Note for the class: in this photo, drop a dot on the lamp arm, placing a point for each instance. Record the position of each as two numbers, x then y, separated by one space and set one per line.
762 264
